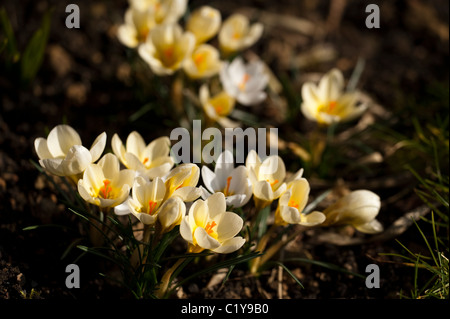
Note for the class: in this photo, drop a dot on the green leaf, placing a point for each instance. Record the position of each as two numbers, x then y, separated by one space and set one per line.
34 52
12 54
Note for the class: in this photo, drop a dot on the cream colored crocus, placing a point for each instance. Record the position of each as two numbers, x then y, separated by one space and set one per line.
292 203
358 208
245 81
203 63
232 181
151 160
204 23
236 33
182 181
209 226
147 204
167 48
104 184
327 103
165 11
139 20
63 154
217 107
267 178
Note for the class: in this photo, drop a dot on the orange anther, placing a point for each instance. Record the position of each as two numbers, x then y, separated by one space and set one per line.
273 183
105 190
209 227
199 58
244 81
293 204
151 207
331 105
145 160
227 189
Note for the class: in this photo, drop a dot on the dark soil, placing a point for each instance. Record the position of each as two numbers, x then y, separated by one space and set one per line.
86 80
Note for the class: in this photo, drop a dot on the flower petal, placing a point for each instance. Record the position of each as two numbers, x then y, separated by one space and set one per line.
204 240
229 246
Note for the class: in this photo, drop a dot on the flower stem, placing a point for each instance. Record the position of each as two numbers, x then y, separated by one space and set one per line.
165 280
255 263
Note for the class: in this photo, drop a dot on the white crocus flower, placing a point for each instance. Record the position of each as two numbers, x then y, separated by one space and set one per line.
148 205
165 11
151 160
217 107
209 226
62 152
327 102
292 203
245 82
138 22
182 181
104 184
204 23
267 178
166 49
203 63
236 33
232 182
359 209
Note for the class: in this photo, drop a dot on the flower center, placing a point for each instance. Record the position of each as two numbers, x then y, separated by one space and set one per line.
169 55
244 81
273 183
293 203
329 108
105 190
142 34
210 226
237 35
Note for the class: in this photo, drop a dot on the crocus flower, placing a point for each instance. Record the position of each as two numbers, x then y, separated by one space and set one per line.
359 209
209 226
327 103
182 181
292 203
151 160
217 107
62 152
267 178
204 23
166 48
237 34
139 20
165 11
232 182
244 82
203 63
148 205
104 184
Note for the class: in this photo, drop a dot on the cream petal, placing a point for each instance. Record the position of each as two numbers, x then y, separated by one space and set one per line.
229 246
312 219
228 225
110 165
84 193
159 147
98 147
185 230
263 190
135 144
133 162
122 209
236 201
198 213
205 193
171 212
300 191
40 145
127 35
93 177
118 148
372 227
76 161
204 240
280 190
251 98
331 85
272 169
252 162
188 193
290 214
208 178
53 165
216 204
61 138
224 166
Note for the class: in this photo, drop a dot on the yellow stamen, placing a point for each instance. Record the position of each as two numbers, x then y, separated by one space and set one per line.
244 81
199 58
209 227
237 35
105 190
